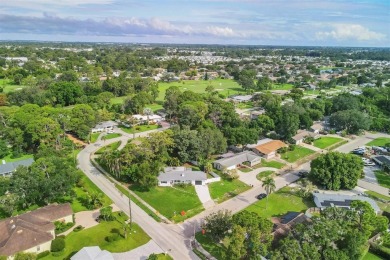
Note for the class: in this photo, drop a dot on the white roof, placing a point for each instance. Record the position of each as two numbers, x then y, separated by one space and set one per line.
151 117
326 200
92 253
242 98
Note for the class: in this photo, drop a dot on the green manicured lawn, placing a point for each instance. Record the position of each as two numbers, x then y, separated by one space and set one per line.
383 178
282 86
298 153
111 147
9 159
139 128
226 189
381 200
94 137
164 257
371 256
262 175
218 250
273 164
9 86
96 236
112 136
279 203
381 141
326 141
168 201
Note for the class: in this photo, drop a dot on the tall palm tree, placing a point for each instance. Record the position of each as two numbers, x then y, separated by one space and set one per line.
269 185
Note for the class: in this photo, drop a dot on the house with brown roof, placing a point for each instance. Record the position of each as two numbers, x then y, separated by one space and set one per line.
32 232
269 149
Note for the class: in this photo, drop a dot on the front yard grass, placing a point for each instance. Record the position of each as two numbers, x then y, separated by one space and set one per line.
138 128
381 141
110 147
383 178
96 236
326 141
226 189
273 164
298 153
264 174
218 250
279 203
171 201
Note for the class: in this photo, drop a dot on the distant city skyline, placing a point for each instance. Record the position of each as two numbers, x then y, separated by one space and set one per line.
355 23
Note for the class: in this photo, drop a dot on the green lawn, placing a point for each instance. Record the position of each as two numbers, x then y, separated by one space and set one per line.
282 86
262 175
117 100
245 105
96 236
94 137
279 203
9 86
226 189
273 164
383 178
111 147
381 200
139 128
218 250
381 141
326 141
112 136
168 201
371 256
164 257
9 159
298 153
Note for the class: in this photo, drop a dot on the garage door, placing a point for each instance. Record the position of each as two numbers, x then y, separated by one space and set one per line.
198 182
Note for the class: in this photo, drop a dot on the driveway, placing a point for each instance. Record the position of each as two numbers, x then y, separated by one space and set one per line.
204 195
250 177
141 252
369 175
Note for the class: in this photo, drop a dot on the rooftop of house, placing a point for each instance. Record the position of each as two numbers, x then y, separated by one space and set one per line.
92 253
30 229
317 126
284 224
239 158
242 98
337 200
383 159
301 134
11 166
270 146
106 124
181 173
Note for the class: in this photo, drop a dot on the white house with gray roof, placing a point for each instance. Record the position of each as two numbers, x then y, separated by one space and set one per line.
104 126
181 175
323 201
231 163
6 169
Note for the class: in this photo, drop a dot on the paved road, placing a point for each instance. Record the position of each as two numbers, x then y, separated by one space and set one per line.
369 174
373 187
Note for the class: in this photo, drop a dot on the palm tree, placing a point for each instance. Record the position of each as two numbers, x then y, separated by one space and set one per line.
269 185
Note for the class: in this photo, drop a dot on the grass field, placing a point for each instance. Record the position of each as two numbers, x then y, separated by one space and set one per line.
279 203
9 86
383 178
226 189
326 141
262 175
273 164
381 141
96 236
112 136
298 153
218 250
111 147
371 256
168 201
138 128
282 86
9 159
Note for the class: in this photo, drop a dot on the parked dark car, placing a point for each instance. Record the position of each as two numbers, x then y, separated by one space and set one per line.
303 174
261 196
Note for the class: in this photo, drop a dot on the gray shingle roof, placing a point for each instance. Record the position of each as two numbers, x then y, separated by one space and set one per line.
238 159
92 253
182 175
11 166
382 159
327 200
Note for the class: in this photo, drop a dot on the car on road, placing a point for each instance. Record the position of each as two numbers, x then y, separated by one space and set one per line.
261 196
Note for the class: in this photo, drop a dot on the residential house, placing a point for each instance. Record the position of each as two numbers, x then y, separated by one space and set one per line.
148 118
231 163
242 98
317 128
32 232
269 149
92 253
302 134
382 160
177 175
6 169
323 201
283 225
104 127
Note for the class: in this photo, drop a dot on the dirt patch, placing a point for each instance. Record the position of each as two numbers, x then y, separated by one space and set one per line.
75 140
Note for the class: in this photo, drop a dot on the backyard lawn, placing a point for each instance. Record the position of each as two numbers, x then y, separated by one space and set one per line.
170 200
138 128
298 153
279 203
264 174
383 178
326 141
381 141
96 236
226 189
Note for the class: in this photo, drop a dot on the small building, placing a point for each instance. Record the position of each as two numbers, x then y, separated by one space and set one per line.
317 128
148 118
269 149
242 98
382 160
92 253
323 201
302 134
6 169
232 162
104 127
32 232
178 175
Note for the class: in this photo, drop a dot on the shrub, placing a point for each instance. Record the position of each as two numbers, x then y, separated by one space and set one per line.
308 140
112 238
58 244
62 226
78 228
43 254
292 147
282 150
380 251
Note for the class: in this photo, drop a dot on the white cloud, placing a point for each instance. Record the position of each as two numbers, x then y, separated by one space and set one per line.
342 32
220 31
21 3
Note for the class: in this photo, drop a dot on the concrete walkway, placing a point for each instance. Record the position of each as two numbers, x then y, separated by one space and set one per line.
204 195
311 147
250 177
141 252
373 187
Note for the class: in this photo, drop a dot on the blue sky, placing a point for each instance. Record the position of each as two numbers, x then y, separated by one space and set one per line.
259 22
